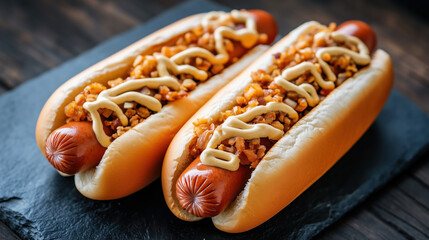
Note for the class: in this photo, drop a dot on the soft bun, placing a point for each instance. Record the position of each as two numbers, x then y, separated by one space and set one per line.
329 130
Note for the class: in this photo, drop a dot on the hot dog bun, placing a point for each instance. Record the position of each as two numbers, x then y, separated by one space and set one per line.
291 165
133 160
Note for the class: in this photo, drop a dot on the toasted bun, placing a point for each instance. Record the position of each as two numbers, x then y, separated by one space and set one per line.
329 130
134 160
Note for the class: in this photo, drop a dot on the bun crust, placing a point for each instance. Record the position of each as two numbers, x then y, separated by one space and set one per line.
134 160
329 130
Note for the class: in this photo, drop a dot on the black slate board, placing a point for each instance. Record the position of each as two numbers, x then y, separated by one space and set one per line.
38 203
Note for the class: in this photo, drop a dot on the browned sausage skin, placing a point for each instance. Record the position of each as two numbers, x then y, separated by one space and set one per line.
265 23
206 191
73 148
360 30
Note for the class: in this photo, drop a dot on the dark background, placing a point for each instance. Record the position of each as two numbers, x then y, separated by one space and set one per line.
38 35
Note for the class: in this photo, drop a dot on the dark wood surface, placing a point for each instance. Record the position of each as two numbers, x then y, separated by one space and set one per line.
36 36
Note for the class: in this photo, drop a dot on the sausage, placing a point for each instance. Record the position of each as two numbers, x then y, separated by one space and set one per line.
360 30
238 51
205 191
265 23
74 148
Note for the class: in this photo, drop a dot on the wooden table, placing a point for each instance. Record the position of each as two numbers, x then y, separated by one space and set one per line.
36 36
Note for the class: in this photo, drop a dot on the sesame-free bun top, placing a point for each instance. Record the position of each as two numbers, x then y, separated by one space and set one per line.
301 156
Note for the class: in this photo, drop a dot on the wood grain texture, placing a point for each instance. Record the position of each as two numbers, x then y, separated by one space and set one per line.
6 233
36 36
39 35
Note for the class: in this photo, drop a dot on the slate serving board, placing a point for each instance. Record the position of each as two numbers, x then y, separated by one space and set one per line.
38 203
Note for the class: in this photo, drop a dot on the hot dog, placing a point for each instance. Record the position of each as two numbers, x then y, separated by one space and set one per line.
287 118
206 191
202 179
111 124
74 148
